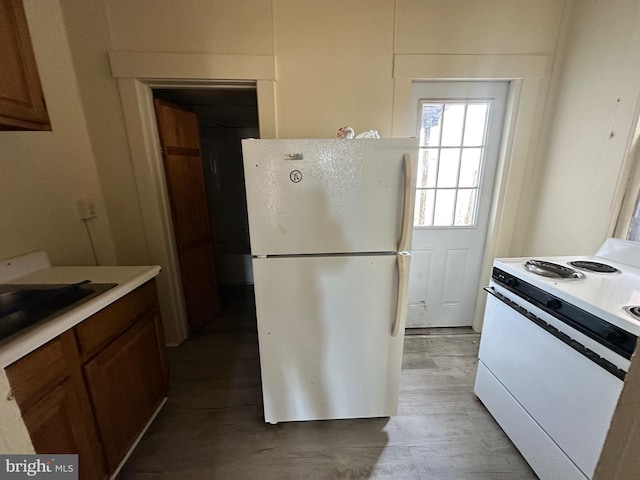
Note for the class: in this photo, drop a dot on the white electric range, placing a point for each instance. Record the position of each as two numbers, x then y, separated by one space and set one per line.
556 344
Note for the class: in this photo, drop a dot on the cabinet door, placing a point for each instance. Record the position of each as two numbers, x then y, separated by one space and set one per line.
48 387
58 424
126 383
22 105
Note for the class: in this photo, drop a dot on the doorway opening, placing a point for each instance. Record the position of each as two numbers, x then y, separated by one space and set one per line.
225 115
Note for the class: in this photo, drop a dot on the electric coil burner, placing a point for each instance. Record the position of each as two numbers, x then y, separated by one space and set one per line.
633 310
594 266
552 270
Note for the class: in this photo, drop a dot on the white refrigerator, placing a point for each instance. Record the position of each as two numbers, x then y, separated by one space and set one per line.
330 224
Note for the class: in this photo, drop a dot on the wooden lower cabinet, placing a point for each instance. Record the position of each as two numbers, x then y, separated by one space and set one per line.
62 423
95 403
126 383
48 387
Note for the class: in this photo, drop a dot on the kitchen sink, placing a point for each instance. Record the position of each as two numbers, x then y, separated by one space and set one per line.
17 297
24 305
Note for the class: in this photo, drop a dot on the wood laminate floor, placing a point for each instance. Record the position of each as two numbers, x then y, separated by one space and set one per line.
212 425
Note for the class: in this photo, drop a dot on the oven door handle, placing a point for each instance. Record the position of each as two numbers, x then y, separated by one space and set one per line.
492 291
509 303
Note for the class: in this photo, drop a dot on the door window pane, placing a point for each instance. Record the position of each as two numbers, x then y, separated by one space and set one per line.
633 233
475 124
430 125
465 207
424 208
445 203
428 168
470 167
448 169
453 121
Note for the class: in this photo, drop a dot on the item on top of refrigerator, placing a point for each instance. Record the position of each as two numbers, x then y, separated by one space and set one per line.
345 132
369 134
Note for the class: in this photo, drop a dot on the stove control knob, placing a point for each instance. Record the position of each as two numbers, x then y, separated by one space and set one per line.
552 304
511 282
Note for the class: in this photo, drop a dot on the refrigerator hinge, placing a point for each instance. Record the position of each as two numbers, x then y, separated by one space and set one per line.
261 256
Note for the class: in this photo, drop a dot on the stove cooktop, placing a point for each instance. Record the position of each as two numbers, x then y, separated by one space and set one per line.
603 294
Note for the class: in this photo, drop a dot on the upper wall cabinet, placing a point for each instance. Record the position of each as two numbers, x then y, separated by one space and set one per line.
22 104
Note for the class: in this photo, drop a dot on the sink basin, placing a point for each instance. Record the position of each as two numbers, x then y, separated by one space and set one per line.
18 296
24 305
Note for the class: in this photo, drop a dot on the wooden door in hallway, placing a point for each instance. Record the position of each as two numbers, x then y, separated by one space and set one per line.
180 140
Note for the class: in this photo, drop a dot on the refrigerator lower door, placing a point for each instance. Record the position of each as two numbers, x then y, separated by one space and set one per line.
325 333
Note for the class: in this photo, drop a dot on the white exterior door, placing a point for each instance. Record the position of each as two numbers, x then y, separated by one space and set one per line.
459 125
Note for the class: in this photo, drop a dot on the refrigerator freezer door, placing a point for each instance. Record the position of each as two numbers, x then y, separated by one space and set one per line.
327 196
324 329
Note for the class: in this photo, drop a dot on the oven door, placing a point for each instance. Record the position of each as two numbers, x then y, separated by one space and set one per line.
566 394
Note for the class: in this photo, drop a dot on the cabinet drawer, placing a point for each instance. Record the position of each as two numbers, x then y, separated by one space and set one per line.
99 329
35 375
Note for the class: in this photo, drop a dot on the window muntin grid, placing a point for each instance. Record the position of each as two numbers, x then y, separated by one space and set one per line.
452 146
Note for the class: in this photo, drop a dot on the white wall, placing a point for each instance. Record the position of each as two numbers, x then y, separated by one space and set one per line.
477 26
44 173
196 26
87 29
334 61
334 66
594 115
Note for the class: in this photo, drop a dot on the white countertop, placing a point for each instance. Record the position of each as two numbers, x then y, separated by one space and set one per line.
127 279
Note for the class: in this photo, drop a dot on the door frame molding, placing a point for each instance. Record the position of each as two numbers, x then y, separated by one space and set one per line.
137 74
516 160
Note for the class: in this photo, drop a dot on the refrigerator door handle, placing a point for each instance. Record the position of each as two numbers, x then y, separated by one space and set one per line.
404 245
404 261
